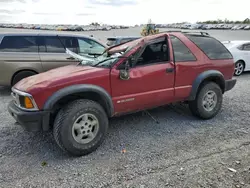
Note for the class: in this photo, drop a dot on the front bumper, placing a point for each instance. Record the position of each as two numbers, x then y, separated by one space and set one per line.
229 84
32 121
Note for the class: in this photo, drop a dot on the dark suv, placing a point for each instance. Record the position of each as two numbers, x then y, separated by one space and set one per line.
26 54
76 101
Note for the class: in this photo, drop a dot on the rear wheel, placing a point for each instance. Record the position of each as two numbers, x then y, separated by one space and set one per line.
80 127
239 68
21 75
208 101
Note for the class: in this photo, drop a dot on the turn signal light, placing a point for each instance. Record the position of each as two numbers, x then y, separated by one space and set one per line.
28 103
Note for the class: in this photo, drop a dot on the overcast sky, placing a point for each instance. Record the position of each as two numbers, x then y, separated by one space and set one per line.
126 12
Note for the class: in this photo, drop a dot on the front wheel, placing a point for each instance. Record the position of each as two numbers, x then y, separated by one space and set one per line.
208 101
80 127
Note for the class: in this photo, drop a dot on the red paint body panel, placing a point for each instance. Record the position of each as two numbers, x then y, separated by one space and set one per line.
148 86
186 72
43 85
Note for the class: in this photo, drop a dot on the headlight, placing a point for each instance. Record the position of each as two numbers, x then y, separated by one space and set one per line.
24 100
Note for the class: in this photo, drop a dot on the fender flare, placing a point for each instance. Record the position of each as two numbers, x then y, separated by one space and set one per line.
81 88
203 76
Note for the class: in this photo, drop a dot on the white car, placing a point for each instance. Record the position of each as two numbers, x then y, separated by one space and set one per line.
241 53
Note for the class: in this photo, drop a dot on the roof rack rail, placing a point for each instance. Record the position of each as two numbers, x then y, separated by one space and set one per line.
167 31
195 32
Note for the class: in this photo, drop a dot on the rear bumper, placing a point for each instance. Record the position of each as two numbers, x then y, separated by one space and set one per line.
30 121
229 84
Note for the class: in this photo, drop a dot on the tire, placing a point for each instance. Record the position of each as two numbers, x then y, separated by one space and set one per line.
65 133
239 68
198 109
21 75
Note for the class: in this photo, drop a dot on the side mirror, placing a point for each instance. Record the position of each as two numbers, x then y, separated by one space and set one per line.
124 73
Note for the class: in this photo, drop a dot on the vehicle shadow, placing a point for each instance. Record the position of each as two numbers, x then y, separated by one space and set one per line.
128 131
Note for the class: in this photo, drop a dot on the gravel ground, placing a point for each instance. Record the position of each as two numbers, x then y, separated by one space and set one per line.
181 151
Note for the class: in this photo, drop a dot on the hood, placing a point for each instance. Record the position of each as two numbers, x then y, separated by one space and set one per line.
45 79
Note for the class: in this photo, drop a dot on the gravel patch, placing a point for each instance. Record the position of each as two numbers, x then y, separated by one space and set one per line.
180 151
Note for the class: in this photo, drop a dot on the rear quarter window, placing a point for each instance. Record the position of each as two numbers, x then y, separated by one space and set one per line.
181 51
19 44
213 48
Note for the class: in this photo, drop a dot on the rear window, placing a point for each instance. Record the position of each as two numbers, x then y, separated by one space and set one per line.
211 47
19 44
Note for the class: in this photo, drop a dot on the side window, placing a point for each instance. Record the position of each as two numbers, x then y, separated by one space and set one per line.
19 44
181 51
70 43
89 46
246 47
53 44
154 53
211 47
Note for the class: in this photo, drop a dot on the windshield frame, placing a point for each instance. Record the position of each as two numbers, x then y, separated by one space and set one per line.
95 63
109 51
127 51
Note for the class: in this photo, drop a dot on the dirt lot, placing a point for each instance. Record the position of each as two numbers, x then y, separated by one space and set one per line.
181 151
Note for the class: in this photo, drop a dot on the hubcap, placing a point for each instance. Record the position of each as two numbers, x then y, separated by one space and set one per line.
239 68
209 101
85 128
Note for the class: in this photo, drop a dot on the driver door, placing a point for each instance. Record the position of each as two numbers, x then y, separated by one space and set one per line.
151 81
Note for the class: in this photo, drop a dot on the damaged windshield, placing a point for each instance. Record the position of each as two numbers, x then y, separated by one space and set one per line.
105 60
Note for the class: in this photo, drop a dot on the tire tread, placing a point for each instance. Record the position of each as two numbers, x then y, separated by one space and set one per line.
194 105
64 113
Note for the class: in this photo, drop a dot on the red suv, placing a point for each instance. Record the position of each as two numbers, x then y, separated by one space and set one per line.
76 101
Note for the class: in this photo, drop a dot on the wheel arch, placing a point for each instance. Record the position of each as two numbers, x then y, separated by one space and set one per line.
22 70
88 91
207 76
244 63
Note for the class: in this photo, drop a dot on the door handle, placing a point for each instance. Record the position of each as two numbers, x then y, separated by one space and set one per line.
169 70
70 58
